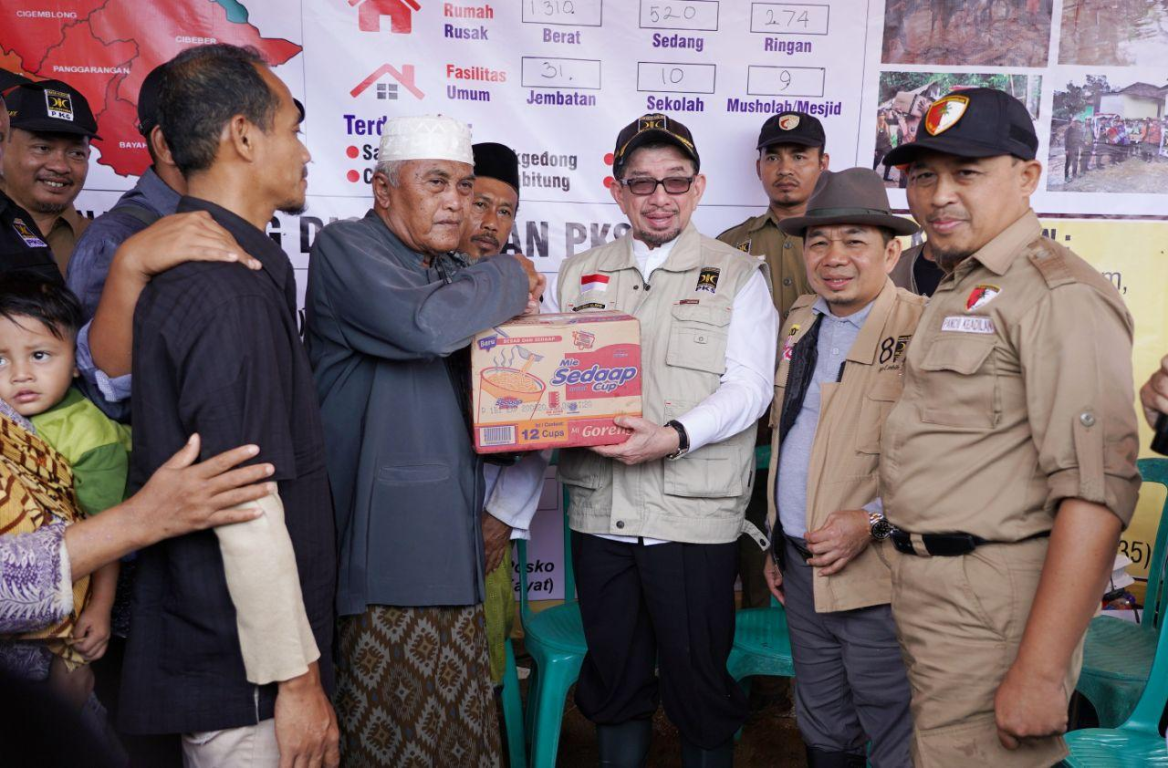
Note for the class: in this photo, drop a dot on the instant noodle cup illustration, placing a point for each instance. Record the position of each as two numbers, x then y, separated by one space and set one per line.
511 387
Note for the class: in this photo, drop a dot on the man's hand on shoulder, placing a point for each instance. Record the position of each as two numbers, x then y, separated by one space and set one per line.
839 540
180 238
306 726
648 442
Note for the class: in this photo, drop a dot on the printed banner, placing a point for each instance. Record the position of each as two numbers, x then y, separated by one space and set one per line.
557 79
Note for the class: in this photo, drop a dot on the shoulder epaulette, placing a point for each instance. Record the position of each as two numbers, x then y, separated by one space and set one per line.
1049 258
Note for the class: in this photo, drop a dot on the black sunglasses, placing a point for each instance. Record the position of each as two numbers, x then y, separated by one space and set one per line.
644 186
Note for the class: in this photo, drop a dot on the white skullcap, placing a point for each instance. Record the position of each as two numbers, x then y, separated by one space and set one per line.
429 137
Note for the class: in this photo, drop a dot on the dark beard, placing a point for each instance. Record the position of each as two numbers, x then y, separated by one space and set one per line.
948 260
50 207
293 209
656 240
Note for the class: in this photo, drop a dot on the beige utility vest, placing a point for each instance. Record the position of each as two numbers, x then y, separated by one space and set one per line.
844 466
684 311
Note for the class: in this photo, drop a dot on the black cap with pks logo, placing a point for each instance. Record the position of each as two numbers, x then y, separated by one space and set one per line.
649 129
792 128
976 122
51 106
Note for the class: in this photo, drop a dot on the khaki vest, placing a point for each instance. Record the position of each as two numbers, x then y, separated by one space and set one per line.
685 315
845 457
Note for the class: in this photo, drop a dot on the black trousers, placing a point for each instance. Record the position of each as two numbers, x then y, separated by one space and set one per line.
669 606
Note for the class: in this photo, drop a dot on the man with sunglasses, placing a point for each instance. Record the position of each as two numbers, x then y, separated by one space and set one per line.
656 519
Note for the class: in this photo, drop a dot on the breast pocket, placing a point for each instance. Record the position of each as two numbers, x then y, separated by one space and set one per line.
960 384
874 409
697 338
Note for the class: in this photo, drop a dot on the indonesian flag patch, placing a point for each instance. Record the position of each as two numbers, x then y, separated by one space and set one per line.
593 283
980 296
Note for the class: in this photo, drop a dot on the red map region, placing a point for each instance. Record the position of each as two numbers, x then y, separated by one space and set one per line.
105 49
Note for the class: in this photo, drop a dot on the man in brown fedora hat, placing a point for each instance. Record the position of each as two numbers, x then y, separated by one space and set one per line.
839 373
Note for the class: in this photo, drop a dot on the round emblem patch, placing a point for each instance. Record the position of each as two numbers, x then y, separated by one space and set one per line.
945 113
789 122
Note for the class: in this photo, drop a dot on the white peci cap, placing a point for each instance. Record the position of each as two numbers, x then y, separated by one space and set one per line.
427 137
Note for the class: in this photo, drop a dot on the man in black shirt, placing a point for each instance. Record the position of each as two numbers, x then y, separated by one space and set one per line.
917 271
232 635
22 247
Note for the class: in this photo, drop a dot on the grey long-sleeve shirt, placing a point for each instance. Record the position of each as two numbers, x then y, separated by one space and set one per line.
407 485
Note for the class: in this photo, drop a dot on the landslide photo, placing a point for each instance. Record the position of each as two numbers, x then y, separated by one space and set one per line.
1113 32
967 32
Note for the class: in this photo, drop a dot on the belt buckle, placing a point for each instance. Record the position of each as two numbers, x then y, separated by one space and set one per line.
902 542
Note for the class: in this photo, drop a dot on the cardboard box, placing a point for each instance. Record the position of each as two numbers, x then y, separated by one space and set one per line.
555 381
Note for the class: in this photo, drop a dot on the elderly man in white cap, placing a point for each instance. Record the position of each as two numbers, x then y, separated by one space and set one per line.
391 312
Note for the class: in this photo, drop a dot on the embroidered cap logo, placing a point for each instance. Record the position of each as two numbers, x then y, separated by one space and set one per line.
59 105
945 113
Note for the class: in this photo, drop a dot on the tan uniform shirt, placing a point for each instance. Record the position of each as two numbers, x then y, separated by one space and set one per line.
761 236
62 237
1017 395
845 458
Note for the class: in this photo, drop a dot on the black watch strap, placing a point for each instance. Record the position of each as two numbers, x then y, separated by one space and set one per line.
682 439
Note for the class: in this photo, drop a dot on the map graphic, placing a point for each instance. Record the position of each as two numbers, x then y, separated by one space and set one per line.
105 49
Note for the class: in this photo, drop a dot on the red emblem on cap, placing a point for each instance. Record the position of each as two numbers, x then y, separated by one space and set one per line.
944 113
789 122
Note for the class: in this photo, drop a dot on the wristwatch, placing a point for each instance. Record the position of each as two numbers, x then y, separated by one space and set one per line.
682 440
879 526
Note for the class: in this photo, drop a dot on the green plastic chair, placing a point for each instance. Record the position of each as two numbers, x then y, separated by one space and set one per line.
555 639
513 711
1136 743
1117 654
762 643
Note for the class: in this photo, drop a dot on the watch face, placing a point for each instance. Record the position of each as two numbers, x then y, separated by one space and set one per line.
881 529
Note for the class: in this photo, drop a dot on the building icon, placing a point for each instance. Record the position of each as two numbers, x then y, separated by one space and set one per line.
400 13
389 90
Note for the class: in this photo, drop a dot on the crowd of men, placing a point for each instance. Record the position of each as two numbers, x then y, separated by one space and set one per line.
1109 139
948 481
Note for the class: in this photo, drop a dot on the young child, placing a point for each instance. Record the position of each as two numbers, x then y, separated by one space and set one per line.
39 321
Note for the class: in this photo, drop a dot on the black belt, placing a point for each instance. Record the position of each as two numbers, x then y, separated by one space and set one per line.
803 551
948 544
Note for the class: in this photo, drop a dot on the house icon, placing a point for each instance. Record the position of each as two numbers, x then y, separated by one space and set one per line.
405 77
400 13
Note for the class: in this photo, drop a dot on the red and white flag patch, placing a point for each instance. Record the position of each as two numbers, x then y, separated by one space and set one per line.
593 283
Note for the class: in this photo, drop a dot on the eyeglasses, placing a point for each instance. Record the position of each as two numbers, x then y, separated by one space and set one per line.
644 186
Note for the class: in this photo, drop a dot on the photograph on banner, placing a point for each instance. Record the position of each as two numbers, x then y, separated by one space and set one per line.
1114 33
1108 137
967 32
905 97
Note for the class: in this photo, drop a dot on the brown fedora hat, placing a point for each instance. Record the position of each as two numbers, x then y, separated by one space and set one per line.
854 196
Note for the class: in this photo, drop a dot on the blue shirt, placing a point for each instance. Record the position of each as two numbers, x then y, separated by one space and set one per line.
836 337
88 269
90 263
